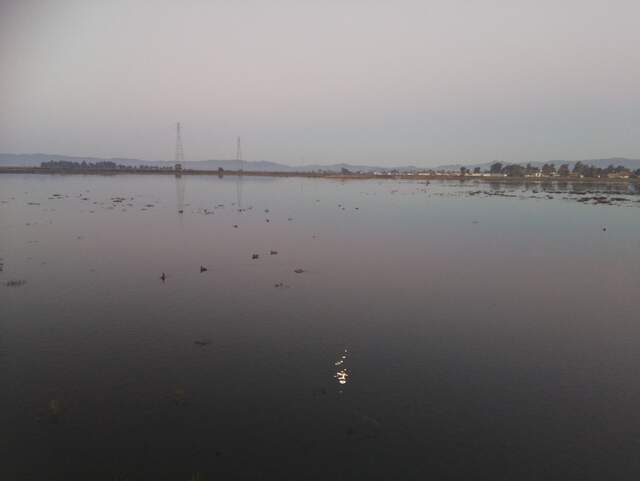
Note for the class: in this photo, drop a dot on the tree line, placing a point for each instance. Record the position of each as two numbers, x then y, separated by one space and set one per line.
549 169
84 165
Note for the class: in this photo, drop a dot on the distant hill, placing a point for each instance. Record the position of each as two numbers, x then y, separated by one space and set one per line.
34 160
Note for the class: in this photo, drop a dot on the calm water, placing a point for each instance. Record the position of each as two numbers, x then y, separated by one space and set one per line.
434 333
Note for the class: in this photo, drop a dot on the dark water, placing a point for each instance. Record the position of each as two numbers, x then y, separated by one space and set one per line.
435 333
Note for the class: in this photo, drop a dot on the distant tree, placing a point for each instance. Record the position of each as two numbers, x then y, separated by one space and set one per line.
593 172
514 170
463 171
548 169
476 170
345 171
84 165
578 168
496 168
530 169
563 171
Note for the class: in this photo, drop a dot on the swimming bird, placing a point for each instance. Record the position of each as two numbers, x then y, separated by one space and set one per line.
203 269
163 277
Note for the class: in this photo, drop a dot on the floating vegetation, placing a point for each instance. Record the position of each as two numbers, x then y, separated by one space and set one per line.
15 283
202 342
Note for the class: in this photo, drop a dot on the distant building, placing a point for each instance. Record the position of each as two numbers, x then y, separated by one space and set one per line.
178 167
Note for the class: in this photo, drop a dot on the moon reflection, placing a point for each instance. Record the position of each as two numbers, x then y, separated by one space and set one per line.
342 375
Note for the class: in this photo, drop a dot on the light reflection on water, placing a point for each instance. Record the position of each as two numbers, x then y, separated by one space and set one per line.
342 374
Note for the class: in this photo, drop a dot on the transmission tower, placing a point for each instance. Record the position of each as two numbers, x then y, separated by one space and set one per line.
179 150
239 154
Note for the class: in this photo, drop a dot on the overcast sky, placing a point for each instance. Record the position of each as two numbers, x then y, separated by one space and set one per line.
378 82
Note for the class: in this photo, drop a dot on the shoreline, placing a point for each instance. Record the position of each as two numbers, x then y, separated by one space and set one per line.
314 175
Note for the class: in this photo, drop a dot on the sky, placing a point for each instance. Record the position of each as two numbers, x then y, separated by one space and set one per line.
370 82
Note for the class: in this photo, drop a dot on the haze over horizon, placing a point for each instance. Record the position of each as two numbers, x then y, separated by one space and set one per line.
408 82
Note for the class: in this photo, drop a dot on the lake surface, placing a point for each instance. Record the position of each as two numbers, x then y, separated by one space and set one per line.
450 331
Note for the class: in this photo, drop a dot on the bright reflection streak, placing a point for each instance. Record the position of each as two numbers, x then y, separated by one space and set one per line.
342 374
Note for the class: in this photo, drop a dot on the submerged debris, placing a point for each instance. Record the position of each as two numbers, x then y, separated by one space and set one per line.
56 408
363 427
319 391
179 397
53 413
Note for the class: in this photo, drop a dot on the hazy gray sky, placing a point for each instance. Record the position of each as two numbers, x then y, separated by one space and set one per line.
385 82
